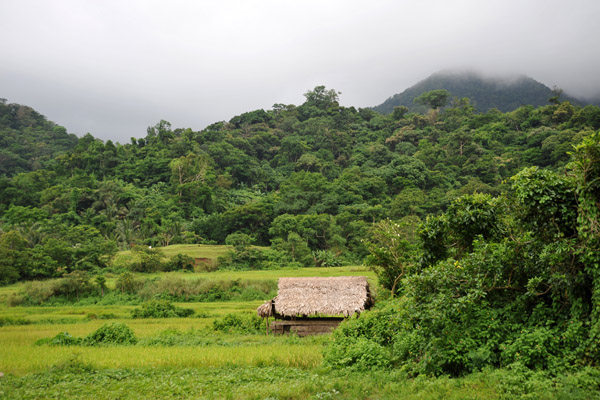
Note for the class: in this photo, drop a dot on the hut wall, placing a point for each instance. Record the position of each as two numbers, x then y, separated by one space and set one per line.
305 327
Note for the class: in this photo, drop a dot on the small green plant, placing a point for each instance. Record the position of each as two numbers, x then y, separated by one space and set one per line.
161 309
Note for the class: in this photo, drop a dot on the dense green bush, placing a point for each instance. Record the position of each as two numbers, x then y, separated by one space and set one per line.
111 334
252 259
126 283
62 339
147 259
363 342
180 262
326 258
161 309
234 323
71 287
509 281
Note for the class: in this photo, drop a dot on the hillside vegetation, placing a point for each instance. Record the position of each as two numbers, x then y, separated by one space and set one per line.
308 181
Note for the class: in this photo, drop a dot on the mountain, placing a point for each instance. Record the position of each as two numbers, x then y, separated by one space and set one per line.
28 139
485 93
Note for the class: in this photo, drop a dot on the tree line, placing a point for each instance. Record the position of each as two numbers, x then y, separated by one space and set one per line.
307 180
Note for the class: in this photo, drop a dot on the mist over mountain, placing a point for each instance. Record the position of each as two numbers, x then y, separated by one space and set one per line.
485 92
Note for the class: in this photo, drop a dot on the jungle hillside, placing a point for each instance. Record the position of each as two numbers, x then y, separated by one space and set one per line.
478 228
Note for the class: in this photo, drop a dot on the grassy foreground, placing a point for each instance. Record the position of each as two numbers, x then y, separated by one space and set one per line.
216 365
77 380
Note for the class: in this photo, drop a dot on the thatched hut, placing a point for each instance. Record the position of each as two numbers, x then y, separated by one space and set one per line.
316 305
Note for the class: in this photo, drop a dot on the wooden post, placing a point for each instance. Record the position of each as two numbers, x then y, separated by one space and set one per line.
267 325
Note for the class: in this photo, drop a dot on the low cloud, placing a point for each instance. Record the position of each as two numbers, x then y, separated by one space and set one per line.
113 68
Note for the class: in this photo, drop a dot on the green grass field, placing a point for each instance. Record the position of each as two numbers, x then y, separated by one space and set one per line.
216 365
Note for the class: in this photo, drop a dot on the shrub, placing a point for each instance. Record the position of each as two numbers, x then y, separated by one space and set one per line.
326 258
37 292
148 259
74 285
178 263
111 334
4 321
363 343
359 354
233 323
175 288
14 300
161 309
126 283
62 339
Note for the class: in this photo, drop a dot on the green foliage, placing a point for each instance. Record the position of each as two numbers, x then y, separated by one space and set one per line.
326 258
321 98
434 98
296 249
179 262
62 339
392 253
126 283
294 383
472 216
72 287
234 323
240 241
161 309
150 260
362 343
547 201
246 257
107 335
508 281
111 334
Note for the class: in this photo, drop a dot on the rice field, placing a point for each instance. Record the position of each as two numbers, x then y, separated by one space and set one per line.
19 355
221 365
24 325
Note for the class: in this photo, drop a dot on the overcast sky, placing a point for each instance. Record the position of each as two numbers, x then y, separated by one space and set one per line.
115 67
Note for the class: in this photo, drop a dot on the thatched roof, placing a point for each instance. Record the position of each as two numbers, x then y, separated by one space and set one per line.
343 295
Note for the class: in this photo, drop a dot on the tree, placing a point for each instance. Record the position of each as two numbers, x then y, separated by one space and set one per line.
392 256
240 241
13 257
399 112
296 247
555 99
101 282
434 98
322 98
191 168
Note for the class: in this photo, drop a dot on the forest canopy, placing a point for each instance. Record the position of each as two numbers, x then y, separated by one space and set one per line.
309 180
